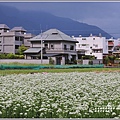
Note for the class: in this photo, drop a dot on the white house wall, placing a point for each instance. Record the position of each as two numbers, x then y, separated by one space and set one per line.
105 46
117 42
98 55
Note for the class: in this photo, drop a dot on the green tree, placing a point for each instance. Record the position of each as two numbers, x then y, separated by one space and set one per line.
21 49
106 60
112 58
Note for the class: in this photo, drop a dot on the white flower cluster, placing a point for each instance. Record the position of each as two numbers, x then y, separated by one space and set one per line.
60 95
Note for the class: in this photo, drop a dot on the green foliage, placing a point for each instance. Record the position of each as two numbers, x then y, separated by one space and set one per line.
28 71
21 49
51 61
90 62
11 56
112 58
79 61
106 60
3 56
88 57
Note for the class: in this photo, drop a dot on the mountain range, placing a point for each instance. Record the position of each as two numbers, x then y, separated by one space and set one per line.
35 21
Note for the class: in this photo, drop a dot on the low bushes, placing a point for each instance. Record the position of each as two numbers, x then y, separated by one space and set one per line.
11 56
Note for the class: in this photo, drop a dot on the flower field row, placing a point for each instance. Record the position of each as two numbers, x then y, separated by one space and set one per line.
60 95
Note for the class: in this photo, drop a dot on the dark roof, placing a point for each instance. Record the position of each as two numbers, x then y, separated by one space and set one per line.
18 29
4 26
53 35
51 54
33 50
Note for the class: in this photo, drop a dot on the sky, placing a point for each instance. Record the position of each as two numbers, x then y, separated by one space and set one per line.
105 15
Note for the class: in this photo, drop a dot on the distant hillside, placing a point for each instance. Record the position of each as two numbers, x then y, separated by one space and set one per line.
34 21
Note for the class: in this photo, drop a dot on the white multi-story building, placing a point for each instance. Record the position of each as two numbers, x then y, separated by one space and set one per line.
92 45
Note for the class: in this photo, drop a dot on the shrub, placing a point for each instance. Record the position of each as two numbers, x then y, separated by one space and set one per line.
51 61
88 57
11 56
90 62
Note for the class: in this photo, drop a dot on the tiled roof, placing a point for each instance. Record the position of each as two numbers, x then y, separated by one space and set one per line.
54 35
18 29
4 26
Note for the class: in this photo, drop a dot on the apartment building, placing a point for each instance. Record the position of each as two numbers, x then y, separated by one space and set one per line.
112 44
93 45
116 48
10 40
27 36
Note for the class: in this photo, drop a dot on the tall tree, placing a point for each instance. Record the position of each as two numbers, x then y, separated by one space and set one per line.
21 49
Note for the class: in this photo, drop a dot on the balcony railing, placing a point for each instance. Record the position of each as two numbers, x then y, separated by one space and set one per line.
110 49
60 49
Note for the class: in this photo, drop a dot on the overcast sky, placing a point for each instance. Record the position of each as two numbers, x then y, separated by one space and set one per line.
105 15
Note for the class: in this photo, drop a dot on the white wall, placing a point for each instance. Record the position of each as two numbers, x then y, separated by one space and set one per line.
117 42
90 43
33 61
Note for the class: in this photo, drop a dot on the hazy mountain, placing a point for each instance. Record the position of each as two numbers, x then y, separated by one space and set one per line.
34 21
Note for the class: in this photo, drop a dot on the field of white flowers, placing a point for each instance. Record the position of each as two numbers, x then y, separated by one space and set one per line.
60 95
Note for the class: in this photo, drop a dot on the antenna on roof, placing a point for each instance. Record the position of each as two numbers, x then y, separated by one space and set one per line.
100 35
40 27
91 35
46 27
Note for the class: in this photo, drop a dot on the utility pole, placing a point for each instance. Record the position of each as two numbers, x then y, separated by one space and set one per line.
41 47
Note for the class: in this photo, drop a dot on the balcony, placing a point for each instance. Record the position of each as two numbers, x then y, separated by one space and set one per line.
18 42
110 44
59 50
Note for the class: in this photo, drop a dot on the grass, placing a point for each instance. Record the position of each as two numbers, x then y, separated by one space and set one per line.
24 64
5 72
26 71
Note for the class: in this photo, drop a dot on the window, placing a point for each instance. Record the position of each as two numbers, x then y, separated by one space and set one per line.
95 45
54 33
46 45
83 38
83 44
65 47
71 47
52 46
17 38
21 38
16 46
0 41
93 38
